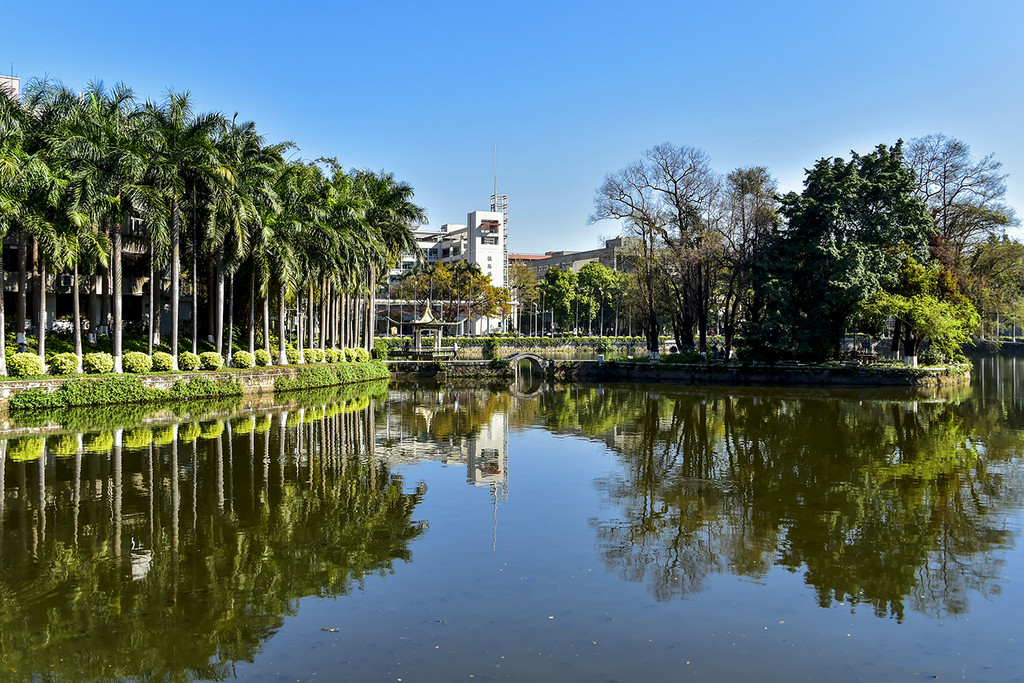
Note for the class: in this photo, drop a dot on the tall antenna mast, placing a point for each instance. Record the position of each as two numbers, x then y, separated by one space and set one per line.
495 168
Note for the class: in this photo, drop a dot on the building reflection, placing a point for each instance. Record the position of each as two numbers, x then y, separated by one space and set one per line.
459 427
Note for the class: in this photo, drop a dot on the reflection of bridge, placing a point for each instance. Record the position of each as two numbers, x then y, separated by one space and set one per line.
539 364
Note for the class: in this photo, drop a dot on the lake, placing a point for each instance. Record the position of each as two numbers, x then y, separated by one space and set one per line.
590 533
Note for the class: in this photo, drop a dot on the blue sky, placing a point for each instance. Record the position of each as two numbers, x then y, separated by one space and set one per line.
568 91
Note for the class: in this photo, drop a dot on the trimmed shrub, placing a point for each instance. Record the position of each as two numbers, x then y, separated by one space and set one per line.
24 364
136 362
188 361
211 360
243 359
490 347
381 349
350 355
98 363
292 356
261 357
162 362
331 355
64 364
362 355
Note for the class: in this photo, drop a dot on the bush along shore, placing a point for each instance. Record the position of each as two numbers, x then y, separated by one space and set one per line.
203 384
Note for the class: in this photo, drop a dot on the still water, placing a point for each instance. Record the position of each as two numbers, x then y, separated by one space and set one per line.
589 532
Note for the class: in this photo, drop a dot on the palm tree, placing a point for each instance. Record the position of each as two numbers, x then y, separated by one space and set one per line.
183 157
390 218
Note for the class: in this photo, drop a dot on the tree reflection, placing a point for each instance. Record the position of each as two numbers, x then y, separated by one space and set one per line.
888 503
173 558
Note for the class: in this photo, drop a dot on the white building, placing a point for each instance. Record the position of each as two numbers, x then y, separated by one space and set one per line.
482 241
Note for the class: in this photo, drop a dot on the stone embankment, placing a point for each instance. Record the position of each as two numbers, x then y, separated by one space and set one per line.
698 374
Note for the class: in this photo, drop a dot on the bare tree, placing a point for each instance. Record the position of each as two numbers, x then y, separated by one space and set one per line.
966 197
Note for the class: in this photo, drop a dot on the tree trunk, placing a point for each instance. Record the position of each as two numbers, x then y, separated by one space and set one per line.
325 289
231 316
117 276
152 280
298 326
252 311
311 317
76 312
217 326
176 280
41 301
266 322
282 357
22 282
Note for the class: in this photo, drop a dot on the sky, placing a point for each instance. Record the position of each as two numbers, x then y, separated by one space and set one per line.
566 91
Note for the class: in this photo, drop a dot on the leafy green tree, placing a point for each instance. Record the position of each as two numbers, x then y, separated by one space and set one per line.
561 292
843 240
927 304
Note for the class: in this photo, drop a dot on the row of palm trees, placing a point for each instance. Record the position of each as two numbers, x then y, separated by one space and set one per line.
83 175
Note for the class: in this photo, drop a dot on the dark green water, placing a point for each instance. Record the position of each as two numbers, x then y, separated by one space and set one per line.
585 533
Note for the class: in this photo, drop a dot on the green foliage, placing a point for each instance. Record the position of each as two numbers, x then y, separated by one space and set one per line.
25 448
362 355
315 355
350 355
335 355
24 365
136 362
242 359
500 363
162 362
99 442
64 364
844 240
98 363
211 360
63 445
490 347
381 349
120 389
684 357
188 361
262 357
292 356
330 375
139 437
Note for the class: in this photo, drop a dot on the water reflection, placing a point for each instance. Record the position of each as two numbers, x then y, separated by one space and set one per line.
171 550
171 544
890 503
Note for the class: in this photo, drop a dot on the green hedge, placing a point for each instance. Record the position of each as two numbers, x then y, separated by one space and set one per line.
162 362
136 362
330 375
211 360
188 361
64 364
262 357
242 359
24 365
119 390
98 363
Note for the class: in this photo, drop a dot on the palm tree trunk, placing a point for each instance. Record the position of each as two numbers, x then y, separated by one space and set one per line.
22 281
218 308
325 304
310 316
41 301
282 357
116 277
3 372
76 312
266 322
231 316
252 311
158 305
298 325
152 279
176 280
